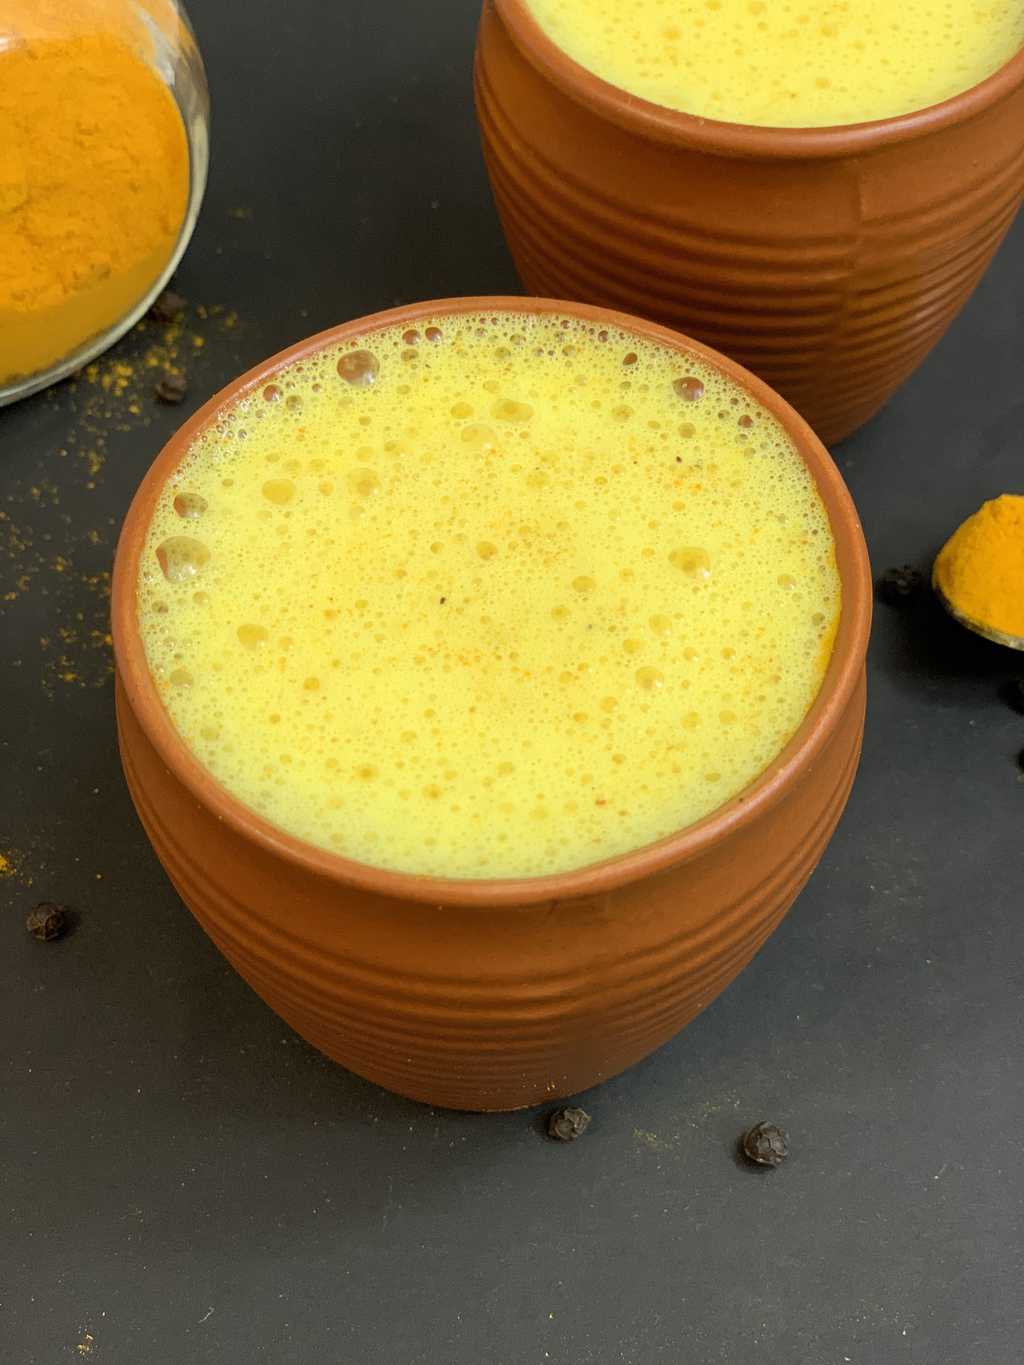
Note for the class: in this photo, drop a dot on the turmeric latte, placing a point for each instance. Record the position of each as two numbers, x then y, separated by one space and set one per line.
788 63
490 595
94 177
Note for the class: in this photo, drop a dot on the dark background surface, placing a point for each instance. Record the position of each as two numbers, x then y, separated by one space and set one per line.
184 1182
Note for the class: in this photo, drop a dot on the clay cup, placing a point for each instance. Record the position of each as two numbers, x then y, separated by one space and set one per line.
490 995
827 260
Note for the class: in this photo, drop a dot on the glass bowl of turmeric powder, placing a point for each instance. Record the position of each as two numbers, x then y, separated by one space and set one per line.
104 147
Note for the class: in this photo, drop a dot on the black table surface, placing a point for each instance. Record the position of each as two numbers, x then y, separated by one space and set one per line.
184 1182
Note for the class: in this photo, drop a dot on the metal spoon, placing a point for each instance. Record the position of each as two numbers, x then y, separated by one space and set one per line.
988 632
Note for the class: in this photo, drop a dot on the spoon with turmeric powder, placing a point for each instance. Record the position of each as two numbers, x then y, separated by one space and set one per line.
979 572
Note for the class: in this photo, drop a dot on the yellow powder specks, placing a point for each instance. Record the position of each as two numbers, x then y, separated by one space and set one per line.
13 866
81 654
652 1141
75 650
20 556
227 317
115 393
49 552
55 554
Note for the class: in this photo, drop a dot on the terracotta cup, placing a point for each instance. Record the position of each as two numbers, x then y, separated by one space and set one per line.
827 260
493 994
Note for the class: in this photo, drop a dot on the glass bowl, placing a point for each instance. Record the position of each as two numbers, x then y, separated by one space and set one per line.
160 31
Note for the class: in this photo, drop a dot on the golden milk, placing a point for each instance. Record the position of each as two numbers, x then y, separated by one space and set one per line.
492 595
799 63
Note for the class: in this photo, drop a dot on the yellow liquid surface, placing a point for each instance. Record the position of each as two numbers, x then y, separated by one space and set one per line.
799 63
497 595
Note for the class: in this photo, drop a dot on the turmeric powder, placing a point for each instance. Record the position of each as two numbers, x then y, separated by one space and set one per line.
980 569
94 176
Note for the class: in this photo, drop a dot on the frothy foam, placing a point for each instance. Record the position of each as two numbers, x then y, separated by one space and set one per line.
492 595
798 63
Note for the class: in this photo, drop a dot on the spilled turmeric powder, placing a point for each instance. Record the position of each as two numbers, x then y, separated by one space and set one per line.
94 177
980 569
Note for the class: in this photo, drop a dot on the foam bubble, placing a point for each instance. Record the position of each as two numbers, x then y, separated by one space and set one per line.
190 506
364 481
279 491
689 388
359 368
650 679
692 560
182 558
508 410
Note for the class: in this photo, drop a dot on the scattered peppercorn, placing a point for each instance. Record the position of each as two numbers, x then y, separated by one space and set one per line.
566 1125
168 306
766 1144
897 585
172 388
47 921
1013 692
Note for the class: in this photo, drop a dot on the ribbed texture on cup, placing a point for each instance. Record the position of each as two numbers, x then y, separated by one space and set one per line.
831 278
489 1007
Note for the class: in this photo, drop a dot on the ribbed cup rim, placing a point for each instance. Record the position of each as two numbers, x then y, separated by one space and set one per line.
795 760
744 139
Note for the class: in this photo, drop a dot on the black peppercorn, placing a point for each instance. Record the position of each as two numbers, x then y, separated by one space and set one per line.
172 388
167 307
897 585
766 1144
46 921
566 1125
